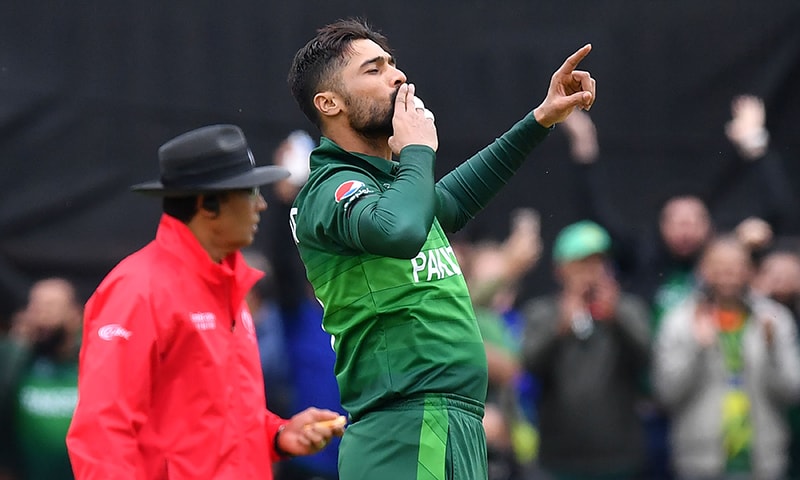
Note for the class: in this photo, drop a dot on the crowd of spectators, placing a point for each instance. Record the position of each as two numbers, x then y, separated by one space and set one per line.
663 352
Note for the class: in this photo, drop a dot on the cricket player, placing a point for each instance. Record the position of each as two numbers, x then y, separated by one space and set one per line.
370 226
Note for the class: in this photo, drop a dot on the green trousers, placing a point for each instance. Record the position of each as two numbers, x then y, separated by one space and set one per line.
431 437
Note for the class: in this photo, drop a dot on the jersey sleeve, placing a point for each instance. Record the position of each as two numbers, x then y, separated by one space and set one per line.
466 190
118 356
392 221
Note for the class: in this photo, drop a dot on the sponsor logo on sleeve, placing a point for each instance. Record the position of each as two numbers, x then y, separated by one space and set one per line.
347 190
114 330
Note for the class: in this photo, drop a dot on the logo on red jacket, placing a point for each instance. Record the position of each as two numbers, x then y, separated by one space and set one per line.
249 326
109 332
204 320
347 189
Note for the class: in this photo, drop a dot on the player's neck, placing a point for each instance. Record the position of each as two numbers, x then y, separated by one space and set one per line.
352 141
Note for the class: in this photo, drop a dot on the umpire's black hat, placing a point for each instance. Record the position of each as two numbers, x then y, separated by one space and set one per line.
208 159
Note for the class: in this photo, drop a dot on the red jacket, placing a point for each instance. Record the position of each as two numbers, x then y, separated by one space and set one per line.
170 383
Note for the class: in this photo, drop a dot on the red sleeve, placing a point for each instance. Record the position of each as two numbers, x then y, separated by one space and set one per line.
118 356
273 424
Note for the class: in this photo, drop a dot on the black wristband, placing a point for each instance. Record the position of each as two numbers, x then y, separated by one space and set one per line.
278 449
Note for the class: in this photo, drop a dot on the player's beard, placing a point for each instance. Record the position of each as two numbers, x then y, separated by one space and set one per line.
371 119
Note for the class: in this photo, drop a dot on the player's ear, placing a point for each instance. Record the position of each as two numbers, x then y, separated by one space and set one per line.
328 104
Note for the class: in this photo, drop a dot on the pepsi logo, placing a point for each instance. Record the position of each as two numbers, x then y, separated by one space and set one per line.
347 189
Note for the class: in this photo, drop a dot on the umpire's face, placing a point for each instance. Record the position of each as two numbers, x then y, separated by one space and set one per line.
236 224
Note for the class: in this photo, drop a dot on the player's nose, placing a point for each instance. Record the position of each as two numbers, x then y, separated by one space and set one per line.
398 77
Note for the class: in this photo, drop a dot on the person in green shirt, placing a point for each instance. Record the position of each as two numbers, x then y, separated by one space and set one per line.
41 376
370 228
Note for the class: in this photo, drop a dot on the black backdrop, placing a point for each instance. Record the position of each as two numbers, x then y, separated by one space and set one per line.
90 89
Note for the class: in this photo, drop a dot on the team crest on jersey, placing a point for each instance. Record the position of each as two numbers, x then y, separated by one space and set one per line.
347 189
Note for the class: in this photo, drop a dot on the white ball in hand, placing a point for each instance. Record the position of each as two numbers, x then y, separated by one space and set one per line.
420 105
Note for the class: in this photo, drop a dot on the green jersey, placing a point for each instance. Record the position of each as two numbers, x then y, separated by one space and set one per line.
48 393
371 234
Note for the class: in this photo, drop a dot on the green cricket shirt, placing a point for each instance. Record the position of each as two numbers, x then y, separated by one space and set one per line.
48 393
371 234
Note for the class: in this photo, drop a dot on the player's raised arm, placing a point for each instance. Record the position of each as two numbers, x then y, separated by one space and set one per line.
569 88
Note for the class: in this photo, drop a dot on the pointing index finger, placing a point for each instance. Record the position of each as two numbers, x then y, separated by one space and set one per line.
571 63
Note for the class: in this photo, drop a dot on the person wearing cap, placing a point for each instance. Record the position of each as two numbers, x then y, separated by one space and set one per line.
588 346
169 381
370 230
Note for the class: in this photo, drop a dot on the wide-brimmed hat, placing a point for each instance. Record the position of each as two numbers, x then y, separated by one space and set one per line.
580 240
209 159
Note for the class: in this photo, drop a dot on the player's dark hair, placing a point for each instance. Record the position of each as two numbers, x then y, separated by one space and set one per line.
315 66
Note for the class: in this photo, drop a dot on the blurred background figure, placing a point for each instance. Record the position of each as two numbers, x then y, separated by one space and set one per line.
727 366
778 277
587 345
40 373
270 335
658 262
758 169
493 271
309 356
684 227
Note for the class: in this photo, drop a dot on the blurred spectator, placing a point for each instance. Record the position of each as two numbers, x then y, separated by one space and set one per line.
778 277
309 355
501 460
756 170
684 226
726 365
492 271
270 336
41 375
658 263
495 269
587 345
